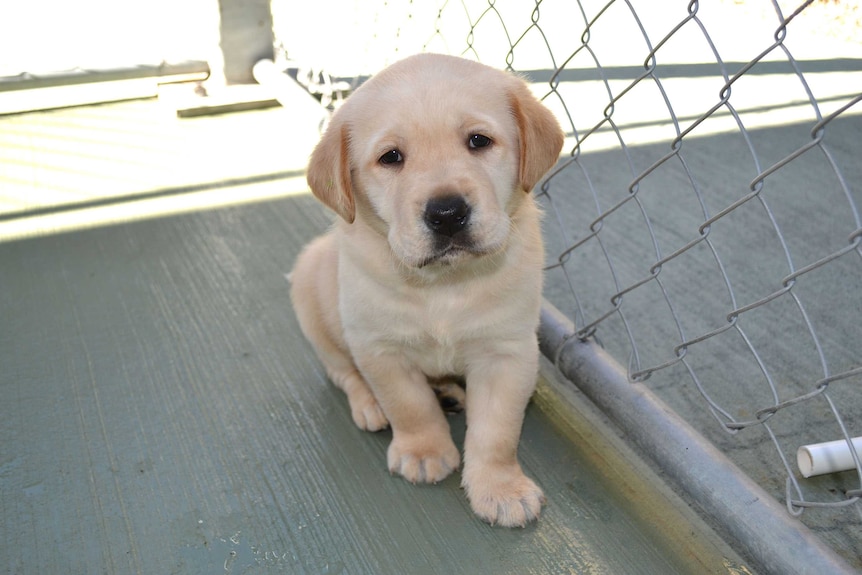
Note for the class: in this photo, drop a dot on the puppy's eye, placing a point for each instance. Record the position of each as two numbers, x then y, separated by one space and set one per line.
391 157
478 141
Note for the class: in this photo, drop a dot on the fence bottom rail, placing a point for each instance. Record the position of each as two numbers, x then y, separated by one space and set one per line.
738 507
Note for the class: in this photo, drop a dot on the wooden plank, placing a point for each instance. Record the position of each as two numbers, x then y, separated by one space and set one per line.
163 414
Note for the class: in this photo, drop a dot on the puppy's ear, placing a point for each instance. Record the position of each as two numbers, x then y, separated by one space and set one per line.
329 171
541 138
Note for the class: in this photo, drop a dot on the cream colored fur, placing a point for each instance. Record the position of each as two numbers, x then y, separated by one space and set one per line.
387 304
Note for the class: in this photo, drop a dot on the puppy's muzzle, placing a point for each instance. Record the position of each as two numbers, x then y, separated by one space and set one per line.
447 216
448 219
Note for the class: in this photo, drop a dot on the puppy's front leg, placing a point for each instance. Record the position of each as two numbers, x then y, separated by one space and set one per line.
422 449
498 389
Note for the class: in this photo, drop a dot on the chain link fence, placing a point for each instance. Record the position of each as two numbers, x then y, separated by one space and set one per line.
704 225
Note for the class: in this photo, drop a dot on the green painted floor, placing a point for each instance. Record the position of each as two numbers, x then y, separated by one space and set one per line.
161 413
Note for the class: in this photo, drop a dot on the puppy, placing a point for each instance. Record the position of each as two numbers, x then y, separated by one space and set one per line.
434 268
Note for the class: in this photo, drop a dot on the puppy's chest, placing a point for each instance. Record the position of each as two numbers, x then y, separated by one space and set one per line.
443 320
435 328
437 337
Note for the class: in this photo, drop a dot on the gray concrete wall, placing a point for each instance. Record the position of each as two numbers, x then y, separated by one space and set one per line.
245 36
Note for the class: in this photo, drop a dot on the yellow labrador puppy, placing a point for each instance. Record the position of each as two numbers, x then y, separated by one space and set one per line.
435 267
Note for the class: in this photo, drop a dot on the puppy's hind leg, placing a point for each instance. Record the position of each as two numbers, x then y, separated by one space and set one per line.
340 369
364 408
314 292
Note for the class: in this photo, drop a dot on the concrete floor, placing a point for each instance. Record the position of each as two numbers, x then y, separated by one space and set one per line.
162 413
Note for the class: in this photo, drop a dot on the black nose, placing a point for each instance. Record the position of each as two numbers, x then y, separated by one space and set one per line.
447 215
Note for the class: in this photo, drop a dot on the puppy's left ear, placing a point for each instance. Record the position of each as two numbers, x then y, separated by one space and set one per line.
540 136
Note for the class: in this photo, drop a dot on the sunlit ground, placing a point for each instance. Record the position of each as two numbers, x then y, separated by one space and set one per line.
82 167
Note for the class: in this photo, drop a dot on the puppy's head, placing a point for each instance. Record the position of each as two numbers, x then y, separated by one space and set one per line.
436 153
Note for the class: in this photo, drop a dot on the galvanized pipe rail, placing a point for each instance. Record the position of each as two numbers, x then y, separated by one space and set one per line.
755 524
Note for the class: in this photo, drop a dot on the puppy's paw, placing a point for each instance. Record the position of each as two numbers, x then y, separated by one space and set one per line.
423 459
504 496
366 412
450 393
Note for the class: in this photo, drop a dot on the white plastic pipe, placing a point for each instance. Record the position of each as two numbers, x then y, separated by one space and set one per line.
829 457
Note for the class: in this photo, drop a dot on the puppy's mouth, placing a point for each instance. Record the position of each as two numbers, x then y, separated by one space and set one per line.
450 252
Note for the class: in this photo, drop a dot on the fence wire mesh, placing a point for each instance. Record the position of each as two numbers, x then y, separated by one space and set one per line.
704 225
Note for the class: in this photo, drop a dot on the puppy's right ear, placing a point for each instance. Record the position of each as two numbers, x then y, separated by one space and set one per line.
329 171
